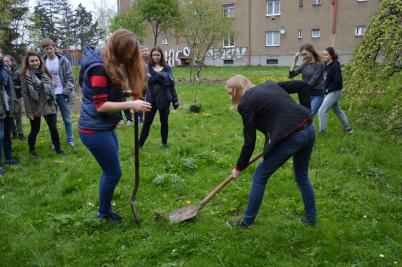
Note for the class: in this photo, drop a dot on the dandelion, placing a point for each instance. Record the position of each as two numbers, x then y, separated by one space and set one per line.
113 204
90 204
188 202
365 216
382 255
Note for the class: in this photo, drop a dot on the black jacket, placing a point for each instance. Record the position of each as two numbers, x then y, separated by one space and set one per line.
161 88
269 109
333 77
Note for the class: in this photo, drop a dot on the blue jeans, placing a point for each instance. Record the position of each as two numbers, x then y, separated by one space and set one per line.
64 105
316 102
104 147
331 100
5 138
300 146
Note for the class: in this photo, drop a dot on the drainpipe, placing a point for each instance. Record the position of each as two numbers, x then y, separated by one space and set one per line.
334 3
249 32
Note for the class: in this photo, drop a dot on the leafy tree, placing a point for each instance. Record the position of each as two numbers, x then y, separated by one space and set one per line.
87 31
129 20
373 76
65 24
104 16
12 28
203 25
162 15
45 18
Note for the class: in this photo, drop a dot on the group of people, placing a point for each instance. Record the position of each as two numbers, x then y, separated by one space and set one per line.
125 69
42 85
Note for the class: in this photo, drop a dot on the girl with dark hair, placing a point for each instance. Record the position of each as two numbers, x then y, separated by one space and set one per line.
333 86
312 71
39 100
16 123
288 131
106 78
160 93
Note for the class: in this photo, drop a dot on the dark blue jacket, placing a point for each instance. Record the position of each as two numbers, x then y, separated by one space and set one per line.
333 77
90 119
161 88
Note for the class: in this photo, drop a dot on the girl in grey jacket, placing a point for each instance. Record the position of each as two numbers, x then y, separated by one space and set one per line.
39 100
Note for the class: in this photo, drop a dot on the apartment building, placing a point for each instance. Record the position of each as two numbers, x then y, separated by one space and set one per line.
270 32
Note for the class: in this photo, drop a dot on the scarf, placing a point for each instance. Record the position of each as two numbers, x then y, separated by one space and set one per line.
36 80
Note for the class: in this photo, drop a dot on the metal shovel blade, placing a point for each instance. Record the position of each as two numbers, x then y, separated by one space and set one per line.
183 214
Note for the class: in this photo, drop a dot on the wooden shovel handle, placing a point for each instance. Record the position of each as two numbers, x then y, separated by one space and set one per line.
223 184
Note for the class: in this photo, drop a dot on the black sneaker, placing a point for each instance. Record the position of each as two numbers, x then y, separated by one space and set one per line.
307 222
348 130
10 162
238 224
112 218
34 154
61 152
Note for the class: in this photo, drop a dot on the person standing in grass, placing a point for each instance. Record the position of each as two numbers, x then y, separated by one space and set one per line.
312 71
333 86
63 81
289 132
161 92
16 123
39 100
6 102
105 79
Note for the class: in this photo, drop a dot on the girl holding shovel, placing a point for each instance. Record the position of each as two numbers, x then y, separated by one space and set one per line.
105 79
289 133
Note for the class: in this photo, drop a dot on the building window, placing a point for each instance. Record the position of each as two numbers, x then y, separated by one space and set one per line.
300 3
228 11
315 33
360 30
299 34
228 62
316 2
272 39
165 40
272 61
229 40
273 8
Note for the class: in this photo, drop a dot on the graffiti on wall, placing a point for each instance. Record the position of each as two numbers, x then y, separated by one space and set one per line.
227 53
234 53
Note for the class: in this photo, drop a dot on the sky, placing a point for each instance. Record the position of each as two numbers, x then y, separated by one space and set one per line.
88 4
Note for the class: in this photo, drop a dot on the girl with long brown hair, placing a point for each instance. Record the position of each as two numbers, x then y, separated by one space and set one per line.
312 71
39 100
106 78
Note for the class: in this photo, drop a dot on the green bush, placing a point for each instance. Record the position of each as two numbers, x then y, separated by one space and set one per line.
373 76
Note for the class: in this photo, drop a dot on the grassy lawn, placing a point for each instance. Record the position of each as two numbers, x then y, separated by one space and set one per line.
48 207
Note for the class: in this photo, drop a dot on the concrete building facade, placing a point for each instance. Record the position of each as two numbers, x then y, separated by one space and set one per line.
270 32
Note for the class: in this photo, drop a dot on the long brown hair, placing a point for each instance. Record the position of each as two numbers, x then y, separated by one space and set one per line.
124 64
239 84
311 49
25 65
151 60
332 53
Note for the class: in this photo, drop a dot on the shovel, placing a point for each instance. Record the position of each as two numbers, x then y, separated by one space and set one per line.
191 211
137 172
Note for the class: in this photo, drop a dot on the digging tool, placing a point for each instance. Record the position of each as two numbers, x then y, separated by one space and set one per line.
191 211
137 172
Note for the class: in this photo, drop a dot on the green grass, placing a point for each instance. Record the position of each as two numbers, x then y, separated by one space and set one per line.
48 207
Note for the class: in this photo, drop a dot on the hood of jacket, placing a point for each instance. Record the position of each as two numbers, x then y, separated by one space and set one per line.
90 57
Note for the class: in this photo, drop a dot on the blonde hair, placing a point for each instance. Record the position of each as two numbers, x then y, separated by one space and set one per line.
239 84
